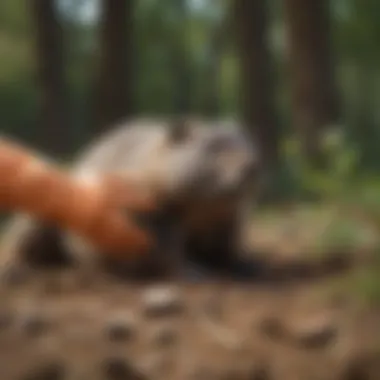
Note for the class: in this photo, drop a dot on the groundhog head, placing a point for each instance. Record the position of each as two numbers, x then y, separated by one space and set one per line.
207 161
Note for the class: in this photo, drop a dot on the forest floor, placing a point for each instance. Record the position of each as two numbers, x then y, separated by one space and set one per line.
303 320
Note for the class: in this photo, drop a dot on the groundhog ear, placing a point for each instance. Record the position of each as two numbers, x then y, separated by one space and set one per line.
179 130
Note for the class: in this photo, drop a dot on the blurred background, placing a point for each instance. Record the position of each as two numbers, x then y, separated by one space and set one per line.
304 78
71 68
302 75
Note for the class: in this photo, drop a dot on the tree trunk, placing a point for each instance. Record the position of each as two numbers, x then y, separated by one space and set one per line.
211 102
55 132
181 63
257 89
113 87
314 92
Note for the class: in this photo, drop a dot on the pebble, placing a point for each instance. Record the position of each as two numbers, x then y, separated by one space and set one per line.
158 365
271 327
121 328
363 366
116 368
165 336
47 371
162 302
315 333
33 324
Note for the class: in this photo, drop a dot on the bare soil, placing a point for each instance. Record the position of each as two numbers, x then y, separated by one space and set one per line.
286 326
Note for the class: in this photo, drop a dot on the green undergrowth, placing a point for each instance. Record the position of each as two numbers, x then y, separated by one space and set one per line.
341 213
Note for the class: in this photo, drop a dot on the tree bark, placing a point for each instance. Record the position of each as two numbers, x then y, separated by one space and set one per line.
313 87
181 62
257 87
211 102
113 85
53 111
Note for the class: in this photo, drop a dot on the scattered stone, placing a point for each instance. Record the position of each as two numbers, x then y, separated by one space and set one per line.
34 324
354 371
317 333
165 336
119 369
162 302
259 372
242 372
363 367
272 328
158 365
121 328
47 371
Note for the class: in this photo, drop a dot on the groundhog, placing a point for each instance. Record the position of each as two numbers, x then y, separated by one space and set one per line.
204 176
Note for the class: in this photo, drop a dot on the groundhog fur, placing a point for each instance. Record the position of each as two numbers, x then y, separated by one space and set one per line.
206 174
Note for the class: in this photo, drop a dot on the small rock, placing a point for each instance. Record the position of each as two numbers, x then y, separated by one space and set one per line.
165 336
121 329
48 371
162 302
362 367
272 328
315 334
259 372
34 324
119 369
158 365
355 371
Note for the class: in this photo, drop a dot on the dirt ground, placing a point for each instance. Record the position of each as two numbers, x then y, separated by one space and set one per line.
285 326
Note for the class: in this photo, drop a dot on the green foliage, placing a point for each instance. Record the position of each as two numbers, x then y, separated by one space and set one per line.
345 235
17 93
333 181
161 33
356 199
367 286
363 285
